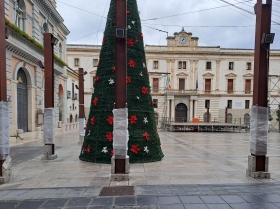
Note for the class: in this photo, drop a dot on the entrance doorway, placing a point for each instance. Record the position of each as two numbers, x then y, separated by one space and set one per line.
22 100
181 113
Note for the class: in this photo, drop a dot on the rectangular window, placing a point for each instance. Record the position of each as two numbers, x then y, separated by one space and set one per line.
207 103
76 61
247 104
208 85
230 86
248 86
155 66
230 66
95 62
181 84
208 65
182 65
155 103
155 84
249 65
229 104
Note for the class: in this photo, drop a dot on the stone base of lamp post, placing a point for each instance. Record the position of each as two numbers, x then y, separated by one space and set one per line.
120 177
6 171
251 171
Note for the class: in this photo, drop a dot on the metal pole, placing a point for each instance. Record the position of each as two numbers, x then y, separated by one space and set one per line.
81 94
49 74
120 73
3 78
261 71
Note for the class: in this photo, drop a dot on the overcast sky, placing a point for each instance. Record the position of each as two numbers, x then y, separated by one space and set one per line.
83 23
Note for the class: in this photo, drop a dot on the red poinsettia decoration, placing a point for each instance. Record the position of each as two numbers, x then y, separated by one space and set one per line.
92 121
97 79
144 90
113 69
110 120
136 39
112 153
109 136
128 79
141 35
127 11
87 149
135 148
133 119
130 42
146 135
132 63
86 128
104 40
95 101
147 73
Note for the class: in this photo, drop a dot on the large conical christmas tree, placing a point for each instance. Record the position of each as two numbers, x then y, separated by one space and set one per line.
144 143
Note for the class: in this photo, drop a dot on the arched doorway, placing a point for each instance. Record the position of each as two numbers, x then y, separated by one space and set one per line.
61 103
71 119
181 113
247 119
22 100
229 118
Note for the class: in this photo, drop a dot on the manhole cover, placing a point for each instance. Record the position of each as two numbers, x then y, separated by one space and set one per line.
117 191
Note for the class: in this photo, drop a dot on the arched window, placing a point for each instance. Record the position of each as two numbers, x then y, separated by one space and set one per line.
20 14
60 50
229 118
45 28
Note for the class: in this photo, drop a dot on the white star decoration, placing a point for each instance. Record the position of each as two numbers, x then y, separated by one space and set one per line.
145 120
104 150
129 27
111 81
88 133
141 74
137 97
146 149
133 23
144 65
83 151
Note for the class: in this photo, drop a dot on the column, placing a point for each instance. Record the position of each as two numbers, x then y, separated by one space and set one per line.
192 77
173 109
172 76
195 108
191 110
195 72
218 62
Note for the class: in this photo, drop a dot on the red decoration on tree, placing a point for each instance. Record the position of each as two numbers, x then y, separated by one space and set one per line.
109 136
110 120
104 40
132 63
128 79
112 153
92 120
95 101
146 135
87 149
97 79
144 90
136 39
147 73
135 148
127 11
130 42
86 128
141 34
133 119
113 69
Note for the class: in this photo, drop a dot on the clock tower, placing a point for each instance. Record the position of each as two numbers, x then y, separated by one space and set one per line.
182 39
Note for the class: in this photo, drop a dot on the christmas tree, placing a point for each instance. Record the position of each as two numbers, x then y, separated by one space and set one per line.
144 143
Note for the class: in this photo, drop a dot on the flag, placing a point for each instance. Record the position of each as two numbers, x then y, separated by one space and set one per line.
168 82
196 83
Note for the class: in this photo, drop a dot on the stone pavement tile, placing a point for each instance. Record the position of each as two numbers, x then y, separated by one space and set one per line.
271 197
212 199
4 192
146 200
264 205
75 202
174 206
277 204
149 193
30 204
218 206
76 192
232 199
125 200
8 204
195 206
242 206
76 207
13 194
60 193
54 203
102 201
253 198
190 200
169 200
92 192
99 207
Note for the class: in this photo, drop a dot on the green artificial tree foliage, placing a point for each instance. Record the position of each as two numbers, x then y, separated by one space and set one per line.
144 142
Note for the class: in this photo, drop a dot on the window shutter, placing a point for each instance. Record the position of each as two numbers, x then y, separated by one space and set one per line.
155 84
181 84
207 84
248 86
230 85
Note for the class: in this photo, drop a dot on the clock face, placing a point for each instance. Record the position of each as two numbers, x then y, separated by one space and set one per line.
183 40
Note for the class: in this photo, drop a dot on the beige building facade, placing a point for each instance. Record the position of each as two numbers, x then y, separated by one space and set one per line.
199 76
28 20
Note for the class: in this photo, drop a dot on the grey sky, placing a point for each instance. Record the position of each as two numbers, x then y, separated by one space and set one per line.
84 25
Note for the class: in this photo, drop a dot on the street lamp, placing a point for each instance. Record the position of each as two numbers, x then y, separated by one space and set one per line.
54 41
268 38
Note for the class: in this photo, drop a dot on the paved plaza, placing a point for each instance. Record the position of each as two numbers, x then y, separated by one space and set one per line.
200 170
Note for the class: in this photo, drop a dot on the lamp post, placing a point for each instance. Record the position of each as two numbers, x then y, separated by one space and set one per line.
258 161
49 113
5 160
81 105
